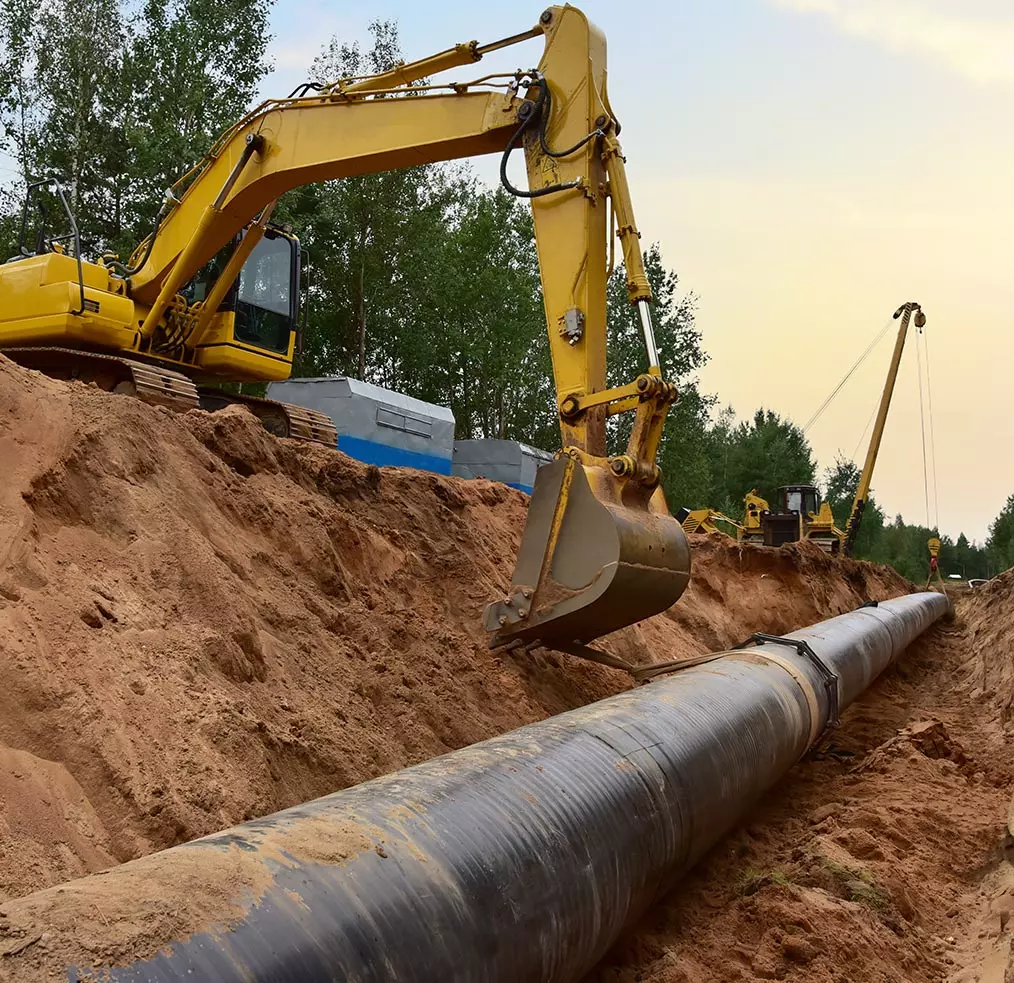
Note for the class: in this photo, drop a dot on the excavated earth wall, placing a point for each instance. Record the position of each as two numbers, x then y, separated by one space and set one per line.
200 623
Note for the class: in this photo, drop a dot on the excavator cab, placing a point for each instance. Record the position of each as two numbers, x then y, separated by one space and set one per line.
260 308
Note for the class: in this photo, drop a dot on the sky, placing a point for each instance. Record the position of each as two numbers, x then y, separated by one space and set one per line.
806 166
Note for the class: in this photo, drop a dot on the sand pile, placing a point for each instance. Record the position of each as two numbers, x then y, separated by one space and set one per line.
886 859
200 623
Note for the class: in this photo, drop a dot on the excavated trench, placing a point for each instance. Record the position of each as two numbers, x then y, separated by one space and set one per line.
887 858
200 624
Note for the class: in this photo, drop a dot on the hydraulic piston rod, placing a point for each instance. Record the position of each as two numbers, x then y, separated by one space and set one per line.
518 859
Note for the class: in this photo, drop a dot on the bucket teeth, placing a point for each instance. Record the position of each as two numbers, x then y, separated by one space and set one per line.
589 564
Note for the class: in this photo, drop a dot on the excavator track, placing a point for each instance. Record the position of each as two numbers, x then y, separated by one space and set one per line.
150 383
164 387
281 419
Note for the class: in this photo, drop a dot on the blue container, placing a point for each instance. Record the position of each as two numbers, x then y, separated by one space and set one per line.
376 425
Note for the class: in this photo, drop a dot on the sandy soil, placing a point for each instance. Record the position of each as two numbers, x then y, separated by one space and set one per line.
886 860
200 623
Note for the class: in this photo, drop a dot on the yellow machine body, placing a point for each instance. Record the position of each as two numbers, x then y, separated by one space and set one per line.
39 293
607 552
761 524
707 521
801 516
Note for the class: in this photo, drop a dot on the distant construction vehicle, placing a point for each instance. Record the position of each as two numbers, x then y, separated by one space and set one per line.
801 515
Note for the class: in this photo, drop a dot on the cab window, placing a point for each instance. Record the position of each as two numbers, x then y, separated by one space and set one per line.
265 304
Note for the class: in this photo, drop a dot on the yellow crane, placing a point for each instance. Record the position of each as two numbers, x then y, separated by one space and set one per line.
210 295
851 533
801 514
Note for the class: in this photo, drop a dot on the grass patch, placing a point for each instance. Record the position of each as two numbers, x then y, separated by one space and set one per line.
752 880
859 886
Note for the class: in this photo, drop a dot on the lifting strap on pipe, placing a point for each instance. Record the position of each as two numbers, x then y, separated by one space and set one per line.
827 674
641 673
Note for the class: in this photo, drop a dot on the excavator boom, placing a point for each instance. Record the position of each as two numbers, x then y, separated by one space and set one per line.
600 550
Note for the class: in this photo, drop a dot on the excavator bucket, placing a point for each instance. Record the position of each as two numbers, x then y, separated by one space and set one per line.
589 563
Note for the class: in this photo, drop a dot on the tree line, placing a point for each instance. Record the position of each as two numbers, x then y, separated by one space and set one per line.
767 452
422 280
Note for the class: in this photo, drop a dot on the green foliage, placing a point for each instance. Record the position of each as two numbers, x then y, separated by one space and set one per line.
78 56
901 545
682 457
190 69
18 93
1000 545
752 880
119 100
841 482
765 453
357 234
493 367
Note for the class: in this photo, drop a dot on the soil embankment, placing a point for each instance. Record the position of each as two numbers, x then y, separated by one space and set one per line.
200 623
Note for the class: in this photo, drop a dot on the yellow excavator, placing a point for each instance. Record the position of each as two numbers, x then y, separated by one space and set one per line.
210 296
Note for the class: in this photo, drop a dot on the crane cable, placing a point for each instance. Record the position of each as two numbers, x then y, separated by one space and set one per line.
932 440
866 430
921 343
922 427
848 375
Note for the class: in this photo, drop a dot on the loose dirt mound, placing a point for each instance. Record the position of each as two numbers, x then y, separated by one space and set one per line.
200 623
887 859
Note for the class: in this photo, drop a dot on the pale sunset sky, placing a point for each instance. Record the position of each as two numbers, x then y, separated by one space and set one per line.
807 166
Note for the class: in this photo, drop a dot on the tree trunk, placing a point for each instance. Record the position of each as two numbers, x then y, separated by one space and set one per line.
361 317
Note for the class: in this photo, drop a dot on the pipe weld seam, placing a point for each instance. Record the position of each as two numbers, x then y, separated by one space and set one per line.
809 692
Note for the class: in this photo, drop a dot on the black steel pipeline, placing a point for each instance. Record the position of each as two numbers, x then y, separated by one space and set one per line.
518 859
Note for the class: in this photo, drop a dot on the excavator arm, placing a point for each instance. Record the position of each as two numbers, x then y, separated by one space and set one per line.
600 550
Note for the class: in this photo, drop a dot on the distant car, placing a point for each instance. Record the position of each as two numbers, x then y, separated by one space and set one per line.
977 582
954 576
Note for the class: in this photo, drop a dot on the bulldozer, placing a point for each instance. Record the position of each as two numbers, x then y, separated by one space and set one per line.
210 297
801 515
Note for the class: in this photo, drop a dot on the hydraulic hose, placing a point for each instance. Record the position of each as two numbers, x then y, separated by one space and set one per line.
517 860
536 113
